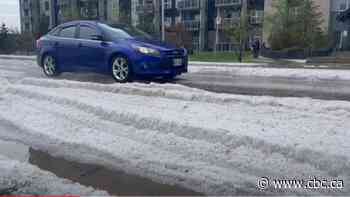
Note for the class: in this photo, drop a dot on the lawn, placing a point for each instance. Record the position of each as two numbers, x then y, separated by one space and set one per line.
219 57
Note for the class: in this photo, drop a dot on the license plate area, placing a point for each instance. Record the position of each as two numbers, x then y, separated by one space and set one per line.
177 62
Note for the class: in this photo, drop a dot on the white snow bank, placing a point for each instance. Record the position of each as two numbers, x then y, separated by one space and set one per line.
225 64
25 179
4 83
218 144
184 93
149 129
22 57
301 61
292 73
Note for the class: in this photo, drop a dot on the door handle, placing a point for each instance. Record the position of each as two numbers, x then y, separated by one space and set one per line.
56 44
80 45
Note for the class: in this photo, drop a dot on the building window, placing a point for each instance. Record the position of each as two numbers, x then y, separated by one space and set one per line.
26 12
167 21
341 5
257 17
294 11
168 4
47 6
89 9
26 27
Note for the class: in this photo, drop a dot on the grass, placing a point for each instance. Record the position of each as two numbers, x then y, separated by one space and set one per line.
219 57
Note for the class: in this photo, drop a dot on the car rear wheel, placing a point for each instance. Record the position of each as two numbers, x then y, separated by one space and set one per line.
121 69
50 66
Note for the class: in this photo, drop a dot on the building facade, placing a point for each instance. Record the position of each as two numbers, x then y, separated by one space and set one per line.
205 21
32 12
200 19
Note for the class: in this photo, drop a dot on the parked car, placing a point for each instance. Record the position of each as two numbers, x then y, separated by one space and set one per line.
122 51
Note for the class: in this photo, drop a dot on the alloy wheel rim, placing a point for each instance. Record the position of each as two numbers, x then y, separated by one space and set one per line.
49 66
120 68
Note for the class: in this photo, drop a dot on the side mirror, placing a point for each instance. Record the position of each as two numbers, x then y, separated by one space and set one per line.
97 37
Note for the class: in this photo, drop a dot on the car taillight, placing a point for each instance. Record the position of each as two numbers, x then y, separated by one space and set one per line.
38 44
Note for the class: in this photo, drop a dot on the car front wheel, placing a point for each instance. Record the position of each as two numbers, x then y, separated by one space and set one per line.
50 66
121 69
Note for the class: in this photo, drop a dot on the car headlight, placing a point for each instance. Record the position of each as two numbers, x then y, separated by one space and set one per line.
147 51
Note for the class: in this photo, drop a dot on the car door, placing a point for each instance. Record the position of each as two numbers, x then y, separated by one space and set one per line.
91 47
66 47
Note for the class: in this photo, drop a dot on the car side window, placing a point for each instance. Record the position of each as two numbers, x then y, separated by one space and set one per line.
68 32
87 32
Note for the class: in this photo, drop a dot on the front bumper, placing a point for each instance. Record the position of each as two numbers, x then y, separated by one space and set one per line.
159 66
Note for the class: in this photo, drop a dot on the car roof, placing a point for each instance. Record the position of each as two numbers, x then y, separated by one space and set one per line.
78 22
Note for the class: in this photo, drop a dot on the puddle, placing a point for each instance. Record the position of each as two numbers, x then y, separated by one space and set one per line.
98 177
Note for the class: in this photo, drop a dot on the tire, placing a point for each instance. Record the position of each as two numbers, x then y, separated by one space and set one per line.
121 69
50 66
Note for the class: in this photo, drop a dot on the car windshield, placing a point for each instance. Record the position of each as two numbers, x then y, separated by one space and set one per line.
124 32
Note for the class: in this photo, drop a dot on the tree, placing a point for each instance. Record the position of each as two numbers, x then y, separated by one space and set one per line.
239 33
3 35
7 42
25 42
295 24
310 19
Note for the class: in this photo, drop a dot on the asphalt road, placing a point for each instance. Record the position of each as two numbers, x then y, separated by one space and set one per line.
220 82
279 87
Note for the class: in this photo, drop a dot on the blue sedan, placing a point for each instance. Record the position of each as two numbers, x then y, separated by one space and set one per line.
123 52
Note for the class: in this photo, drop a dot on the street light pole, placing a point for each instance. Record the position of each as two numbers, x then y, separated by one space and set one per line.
163 20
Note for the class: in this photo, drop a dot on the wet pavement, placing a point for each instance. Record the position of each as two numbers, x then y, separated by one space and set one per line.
267 86
98 177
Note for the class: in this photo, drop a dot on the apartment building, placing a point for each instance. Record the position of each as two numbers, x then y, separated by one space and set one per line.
103 10
229 14
199 17
32 12
145 14
60 11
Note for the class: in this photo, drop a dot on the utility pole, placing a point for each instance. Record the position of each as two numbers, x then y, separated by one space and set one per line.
217 24
53 14
243 29
163 19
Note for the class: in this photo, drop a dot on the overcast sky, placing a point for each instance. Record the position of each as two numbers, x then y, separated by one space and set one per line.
9 13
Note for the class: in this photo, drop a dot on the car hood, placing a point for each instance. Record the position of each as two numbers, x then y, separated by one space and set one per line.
161 46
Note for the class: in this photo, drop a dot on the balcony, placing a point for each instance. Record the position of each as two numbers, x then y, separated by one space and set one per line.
229 23
256 17
145 8
225 3
256 20
191 25
188 4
